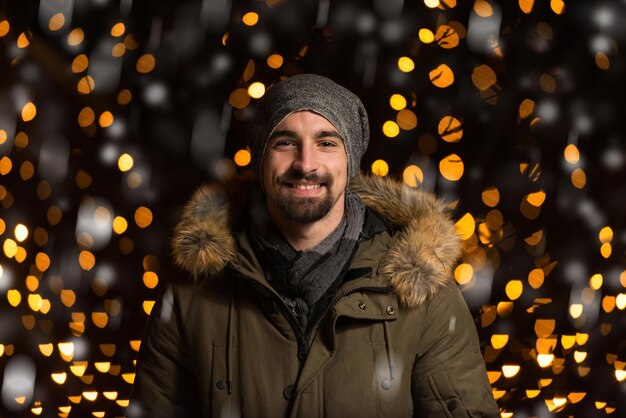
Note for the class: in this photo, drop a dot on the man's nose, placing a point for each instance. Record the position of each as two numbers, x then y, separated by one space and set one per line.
306 159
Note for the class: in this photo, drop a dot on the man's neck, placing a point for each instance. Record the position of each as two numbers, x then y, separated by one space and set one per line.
304 236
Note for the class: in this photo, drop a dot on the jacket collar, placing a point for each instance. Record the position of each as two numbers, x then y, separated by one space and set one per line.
417 265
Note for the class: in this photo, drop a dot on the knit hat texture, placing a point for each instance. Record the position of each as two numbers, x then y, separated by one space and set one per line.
318 94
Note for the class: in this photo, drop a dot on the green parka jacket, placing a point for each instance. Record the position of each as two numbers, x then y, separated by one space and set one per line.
397 340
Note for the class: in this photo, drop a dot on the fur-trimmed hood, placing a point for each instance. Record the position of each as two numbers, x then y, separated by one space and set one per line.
419 263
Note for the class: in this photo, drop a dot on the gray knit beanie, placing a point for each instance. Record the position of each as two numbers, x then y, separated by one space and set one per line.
321 95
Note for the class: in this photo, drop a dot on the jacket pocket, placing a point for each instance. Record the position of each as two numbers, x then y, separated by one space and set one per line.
447 397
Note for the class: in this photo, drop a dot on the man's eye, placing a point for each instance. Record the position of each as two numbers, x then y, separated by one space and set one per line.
328 144
284 143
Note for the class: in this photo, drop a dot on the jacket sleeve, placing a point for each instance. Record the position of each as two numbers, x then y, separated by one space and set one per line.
449 377
165 381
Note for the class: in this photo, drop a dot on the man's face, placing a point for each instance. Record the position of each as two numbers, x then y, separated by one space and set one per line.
305 169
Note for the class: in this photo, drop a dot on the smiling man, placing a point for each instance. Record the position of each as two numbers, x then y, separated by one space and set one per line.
311 290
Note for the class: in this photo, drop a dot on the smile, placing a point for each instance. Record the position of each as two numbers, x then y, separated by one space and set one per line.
306 186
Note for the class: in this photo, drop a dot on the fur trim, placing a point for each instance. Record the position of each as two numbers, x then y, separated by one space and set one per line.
427 248
417 266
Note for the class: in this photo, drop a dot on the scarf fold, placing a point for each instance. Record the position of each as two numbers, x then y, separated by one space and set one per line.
302 277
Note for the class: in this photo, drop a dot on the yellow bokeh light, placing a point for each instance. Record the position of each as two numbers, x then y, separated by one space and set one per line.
510 370
10 248
90 395
537 198
6 165
391 129
483 77
463 273
66 349
86 260
21 232
86 85
125 162
256 90
465 226
451 167
22 40
380 168
59 378
544 327
46 349
571 154
250 18
275 61
426 35
441 76
106 119
498 341
450 129
413 176
80 63
143 217
491 196
579 178
406 64
128 377
575 310
35 301
606 234
239 98
145 63
56 22
119 225
5 27
118 30
242 157
595 282
514 289
147 306
526 5
557 6
545 360
431 3
86 117
75 37
150 279
29 111
606 249
397 102
526 108
406 119
14 297
100 319
42 261
580 356
482 8
536 278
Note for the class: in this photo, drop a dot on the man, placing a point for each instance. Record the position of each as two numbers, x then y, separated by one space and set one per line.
312 291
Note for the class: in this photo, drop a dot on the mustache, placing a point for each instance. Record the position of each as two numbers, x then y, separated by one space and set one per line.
295 175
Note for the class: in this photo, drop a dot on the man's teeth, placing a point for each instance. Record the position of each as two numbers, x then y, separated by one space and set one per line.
307 186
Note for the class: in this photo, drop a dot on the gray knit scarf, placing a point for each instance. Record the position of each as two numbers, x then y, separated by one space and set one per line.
302 277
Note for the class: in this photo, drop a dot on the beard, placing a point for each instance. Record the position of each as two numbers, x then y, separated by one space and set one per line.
305 209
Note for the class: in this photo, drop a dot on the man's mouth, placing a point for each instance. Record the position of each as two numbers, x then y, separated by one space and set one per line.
305 186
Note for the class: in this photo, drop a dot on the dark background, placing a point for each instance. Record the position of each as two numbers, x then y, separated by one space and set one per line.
184 125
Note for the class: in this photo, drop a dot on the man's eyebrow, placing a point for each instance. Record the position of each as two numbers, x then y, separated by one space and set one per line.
283 133
325 134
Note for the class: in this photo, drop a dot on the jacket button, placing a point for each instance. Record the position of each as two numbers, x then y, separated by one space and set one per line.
289 391
221 384
362 306
451 405
386 384
390 310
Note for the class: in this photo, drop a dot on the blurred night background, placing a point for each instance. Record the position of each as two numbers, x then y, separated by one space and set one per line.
113 111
